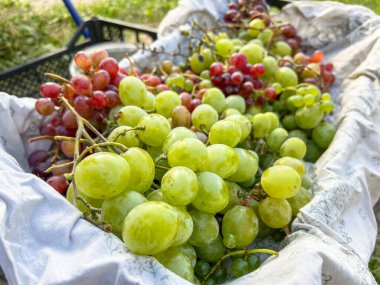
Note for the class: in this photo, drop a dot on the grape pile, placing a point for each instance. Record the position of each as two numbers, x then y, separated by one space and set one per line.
191 163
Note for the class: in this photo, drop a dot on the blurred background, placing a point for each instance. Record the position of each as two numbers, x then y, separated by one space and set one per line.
32 28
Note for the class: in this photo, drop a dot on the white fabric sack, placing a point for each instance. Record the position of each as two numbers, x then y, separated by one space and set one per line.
44 240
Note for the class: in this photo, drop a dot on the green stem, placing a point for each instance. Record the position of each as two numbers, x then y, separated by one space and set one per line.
57 77
161 157
54 166
161 167
103 144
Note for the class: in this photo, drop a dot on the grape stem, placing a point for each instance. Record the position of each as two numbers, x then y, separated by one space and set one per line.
125 131
54 166
133 73
161 157
104 227
286 230
93 210
57 77
238 252
161 167
103 144
56 138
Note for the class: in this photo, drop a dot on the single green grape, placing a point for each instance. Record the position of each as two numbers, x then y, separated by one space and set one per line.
204 116
206 228
276 213
187 152
326 97
255 27
308 99
185 226
156 129
265 36
124 135
132 91
205 83
286 77
150 102
224 47
176 135
261 125
299 200
239 267
309 117
282 48
281 181
253 52
156 195
234 196
293 147
289 122
253 262
213 193
220 275
175 80
229 112
328 106
166 101
247 168
202 268
253 110
276 138
306 182
292 162
236 102
244 123
298 134
130 116
274 121
150 228
188 250
313 151
102 175
225 132
196 62
215 98
208 57
270 65
323 134
211 252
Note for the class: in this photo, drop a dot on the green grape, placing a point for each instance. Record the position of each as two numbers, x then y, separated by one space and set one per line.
189 85
204 116
220 275
306 182
313 152
185 226
213 193
142 169
282 49
176 135
156 195
323 134
296 101
309 117
239 267
299 200
176 81
225 132
208 57
249 183
150 228
113 112
253 110
271 66
189 251
310 89
326 97
206 228
294 163
255 27
289 122
265 36
261 125
211 252
237 43
224 47
267 107
166 101
221 160
187 152
176 261
281 181
155 152
286 77
115 209
276 138
274 121
253 262
236 102
239 227
248 166
97 203
215 98
206 83
156 129
234 199
293 147
229 112
276 86
102 175
298 134
196 62
205 74
264 229
130 116
308 99
132 91
244 123
124 135
276 213
150 102
202 268
179 186
253 52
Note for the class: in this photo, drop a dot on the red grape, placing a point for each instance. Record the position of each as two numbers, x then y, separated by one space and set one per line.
39 169
185 99
317 56
112 99
37 156
329 66
194 103
98 56
83 60
59 183
270 93
237 78
161 87
181 117
68 148
238 60
216 69
288 31
47 130
153 81
259 69
246 89
110 65
45 106
51 90
100 80
200 93
69 121
56 120
116 81
62 131
98 99
82 105
63 169
82 84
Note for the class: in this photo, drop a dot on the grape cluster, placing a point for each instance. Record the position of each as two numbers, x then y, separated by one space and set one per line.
192 163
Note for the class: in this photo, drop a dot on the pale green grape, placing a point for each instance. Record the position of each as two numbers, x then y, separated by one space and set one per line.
293 147
310 89
282 49
211 252
208 57
224 47
274 121
261 125
265 36
188 152
179 186
276 213
156 129
206 83
247 168
125 136
239 227
97 203
156 195
323 134
130 116
298 134
313 151
221 160
188 250
281 181
165 102
204 116
142 169
326 97
229 112
286 77
206 228
270 65
102 175
150 102
277 86
295 101
189 85
236 102
175 80
299 200
213 193
150 228
276 138
289 122
115 209
244 123
132 91
225 132
292 162
205 74
196 62
176 261
306 182
264 229
255 27
327 106
185 226
239 267
234 191
308 99
215 98
253 52
176 135
309 117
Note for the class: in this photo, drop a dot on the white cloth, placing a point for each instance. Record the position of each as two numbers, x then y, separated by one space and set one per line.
43 239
